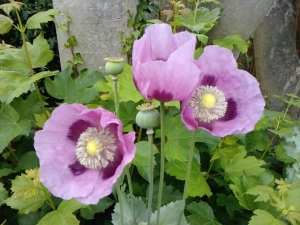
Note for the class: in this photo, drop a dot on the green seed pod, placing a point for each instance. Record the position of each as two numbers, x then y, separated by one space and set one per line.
147 117
114 66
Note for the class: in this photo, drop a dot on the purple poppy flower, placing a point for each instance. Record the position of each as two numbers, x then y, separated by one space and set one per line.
162 64
82 152
226 100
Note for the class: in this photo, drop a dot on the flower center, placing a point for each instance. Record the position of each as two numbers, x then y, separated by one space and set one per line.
208 103
95 148
208 100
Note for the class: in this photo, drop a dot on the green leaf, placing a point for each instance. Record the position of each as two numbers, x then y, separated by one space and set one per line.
3 194
257 140
204 21
79 90
5 171
39 52
171 214
128 112
263 217
169 194
28 107
238 165
126 88
34 22
140 211
179 139
141 159
202 214
63 215
5 24
197 185
282 155
292 146
89 211
58 218
27 196
11 126
202 38
28 161
12 6
233 40
13 84
230 202
263 192
14 58
29 219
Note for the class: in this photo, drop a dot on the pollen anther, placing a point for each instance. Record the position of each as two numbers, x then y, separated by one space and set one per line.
208 103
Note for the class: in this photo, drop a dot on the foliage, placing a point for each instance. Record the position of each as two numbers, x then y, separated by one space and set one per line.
239 179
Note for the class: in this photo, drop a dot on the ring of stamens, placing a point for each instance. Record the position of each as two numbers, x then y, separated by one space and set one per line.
95 148
208 103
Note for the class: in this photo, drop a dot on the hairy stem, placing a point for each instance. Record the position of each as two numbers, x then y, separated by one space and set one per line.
150 141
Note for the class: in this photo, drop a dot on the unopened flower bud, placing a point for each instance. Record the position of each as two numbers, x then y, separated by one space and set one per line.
148 117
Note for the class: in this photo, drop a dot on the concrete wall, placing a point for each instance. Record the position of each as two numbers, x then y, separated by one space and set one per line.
96 24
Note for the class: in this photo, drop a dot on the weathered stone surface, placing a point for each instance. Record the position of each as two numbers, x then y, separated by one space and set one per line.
96 26
241 17
276 59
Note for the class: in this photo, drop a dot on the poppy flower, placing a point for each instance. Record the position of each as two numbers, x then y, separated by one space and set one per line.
162 64
82 152
227 100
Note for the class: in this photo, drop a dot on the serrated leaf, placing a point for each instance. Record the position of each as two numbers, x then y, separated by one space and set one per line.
238 165
11 126
58 218
29 219
141 158
233 40
257 140
14 58
171 214
41 119
3 194
28 161
34 22
13 84
227 152
64 214
262 192
79 90
39 52
230 202
263 217
139 210
197 185
169 194
8 7
69 206
126 88
203 22
89 211
179 139
282 155
202 214
27 197
5 24
128 112
28 107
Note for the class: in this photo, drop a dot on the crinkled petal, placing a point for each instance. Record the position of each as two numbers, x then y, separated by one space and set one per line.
168 80
214 60
104 187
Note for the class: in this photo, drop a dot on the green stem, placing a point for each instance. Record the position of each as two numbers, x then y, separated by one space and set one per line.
150 141
208 171
115 89
116 98
50 203
162 159
130 190
195 13
189 166
25 49
120 199
12 152
277 127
